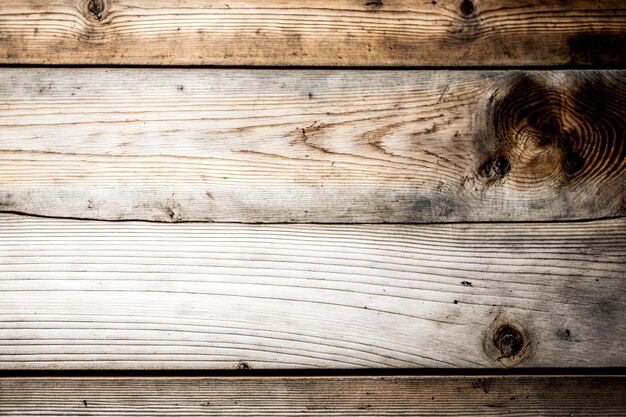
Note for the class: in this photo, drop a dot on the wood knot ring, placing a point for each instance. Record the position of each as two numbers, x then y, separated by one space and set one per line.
507 342
96 9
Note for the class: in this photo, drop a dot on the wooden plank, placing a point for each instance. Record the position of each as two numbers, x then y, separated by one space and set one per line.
137 295
313 145
321 32
323 396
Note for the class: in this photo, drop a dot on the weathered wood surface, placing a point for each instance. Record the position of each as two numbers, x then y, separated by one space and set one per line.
137 295
324 396
312 145
321 32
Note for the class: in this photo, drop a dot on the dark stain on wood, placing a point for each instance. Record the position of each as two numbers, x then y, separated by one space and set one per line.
482 384
374 3
6 201
597 48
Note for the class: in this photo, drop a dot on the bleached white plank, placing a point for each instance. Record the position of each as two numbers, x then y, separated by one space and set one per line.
133 295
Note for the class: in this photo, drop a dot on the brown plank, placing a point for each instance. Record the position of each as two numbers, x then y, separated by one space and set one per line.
320 32
313 145
321 396
137 295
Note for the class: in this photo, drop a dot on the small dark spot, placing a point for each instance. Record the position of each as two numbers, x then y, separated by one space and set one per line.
206 404
181 88
243 366
466 283
85 403
467 7
434 2
564 334
375 3
310 95
456 301
508 340
208 194
512 398
432 398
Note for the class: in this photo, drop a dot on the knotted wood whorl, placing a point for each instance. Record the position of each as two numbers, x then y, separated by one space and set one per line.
558 133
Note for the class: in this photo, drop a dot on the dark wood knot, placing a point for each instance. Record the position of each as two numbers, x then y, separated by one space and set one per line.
467 7
508 340
96 8
495 168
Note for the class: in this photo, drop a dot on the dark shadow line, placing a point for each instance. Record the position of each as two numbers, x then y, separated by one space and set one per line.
329 373
439 223
604 67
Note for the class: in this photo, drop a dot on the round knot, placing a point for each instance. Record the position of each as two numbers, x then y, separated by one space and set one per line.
96 9
508 340
467 7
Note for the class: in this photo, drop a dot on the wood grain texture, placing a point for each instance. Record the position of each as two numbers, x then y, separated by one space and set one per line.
320 32
137 295
356 396
325 146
